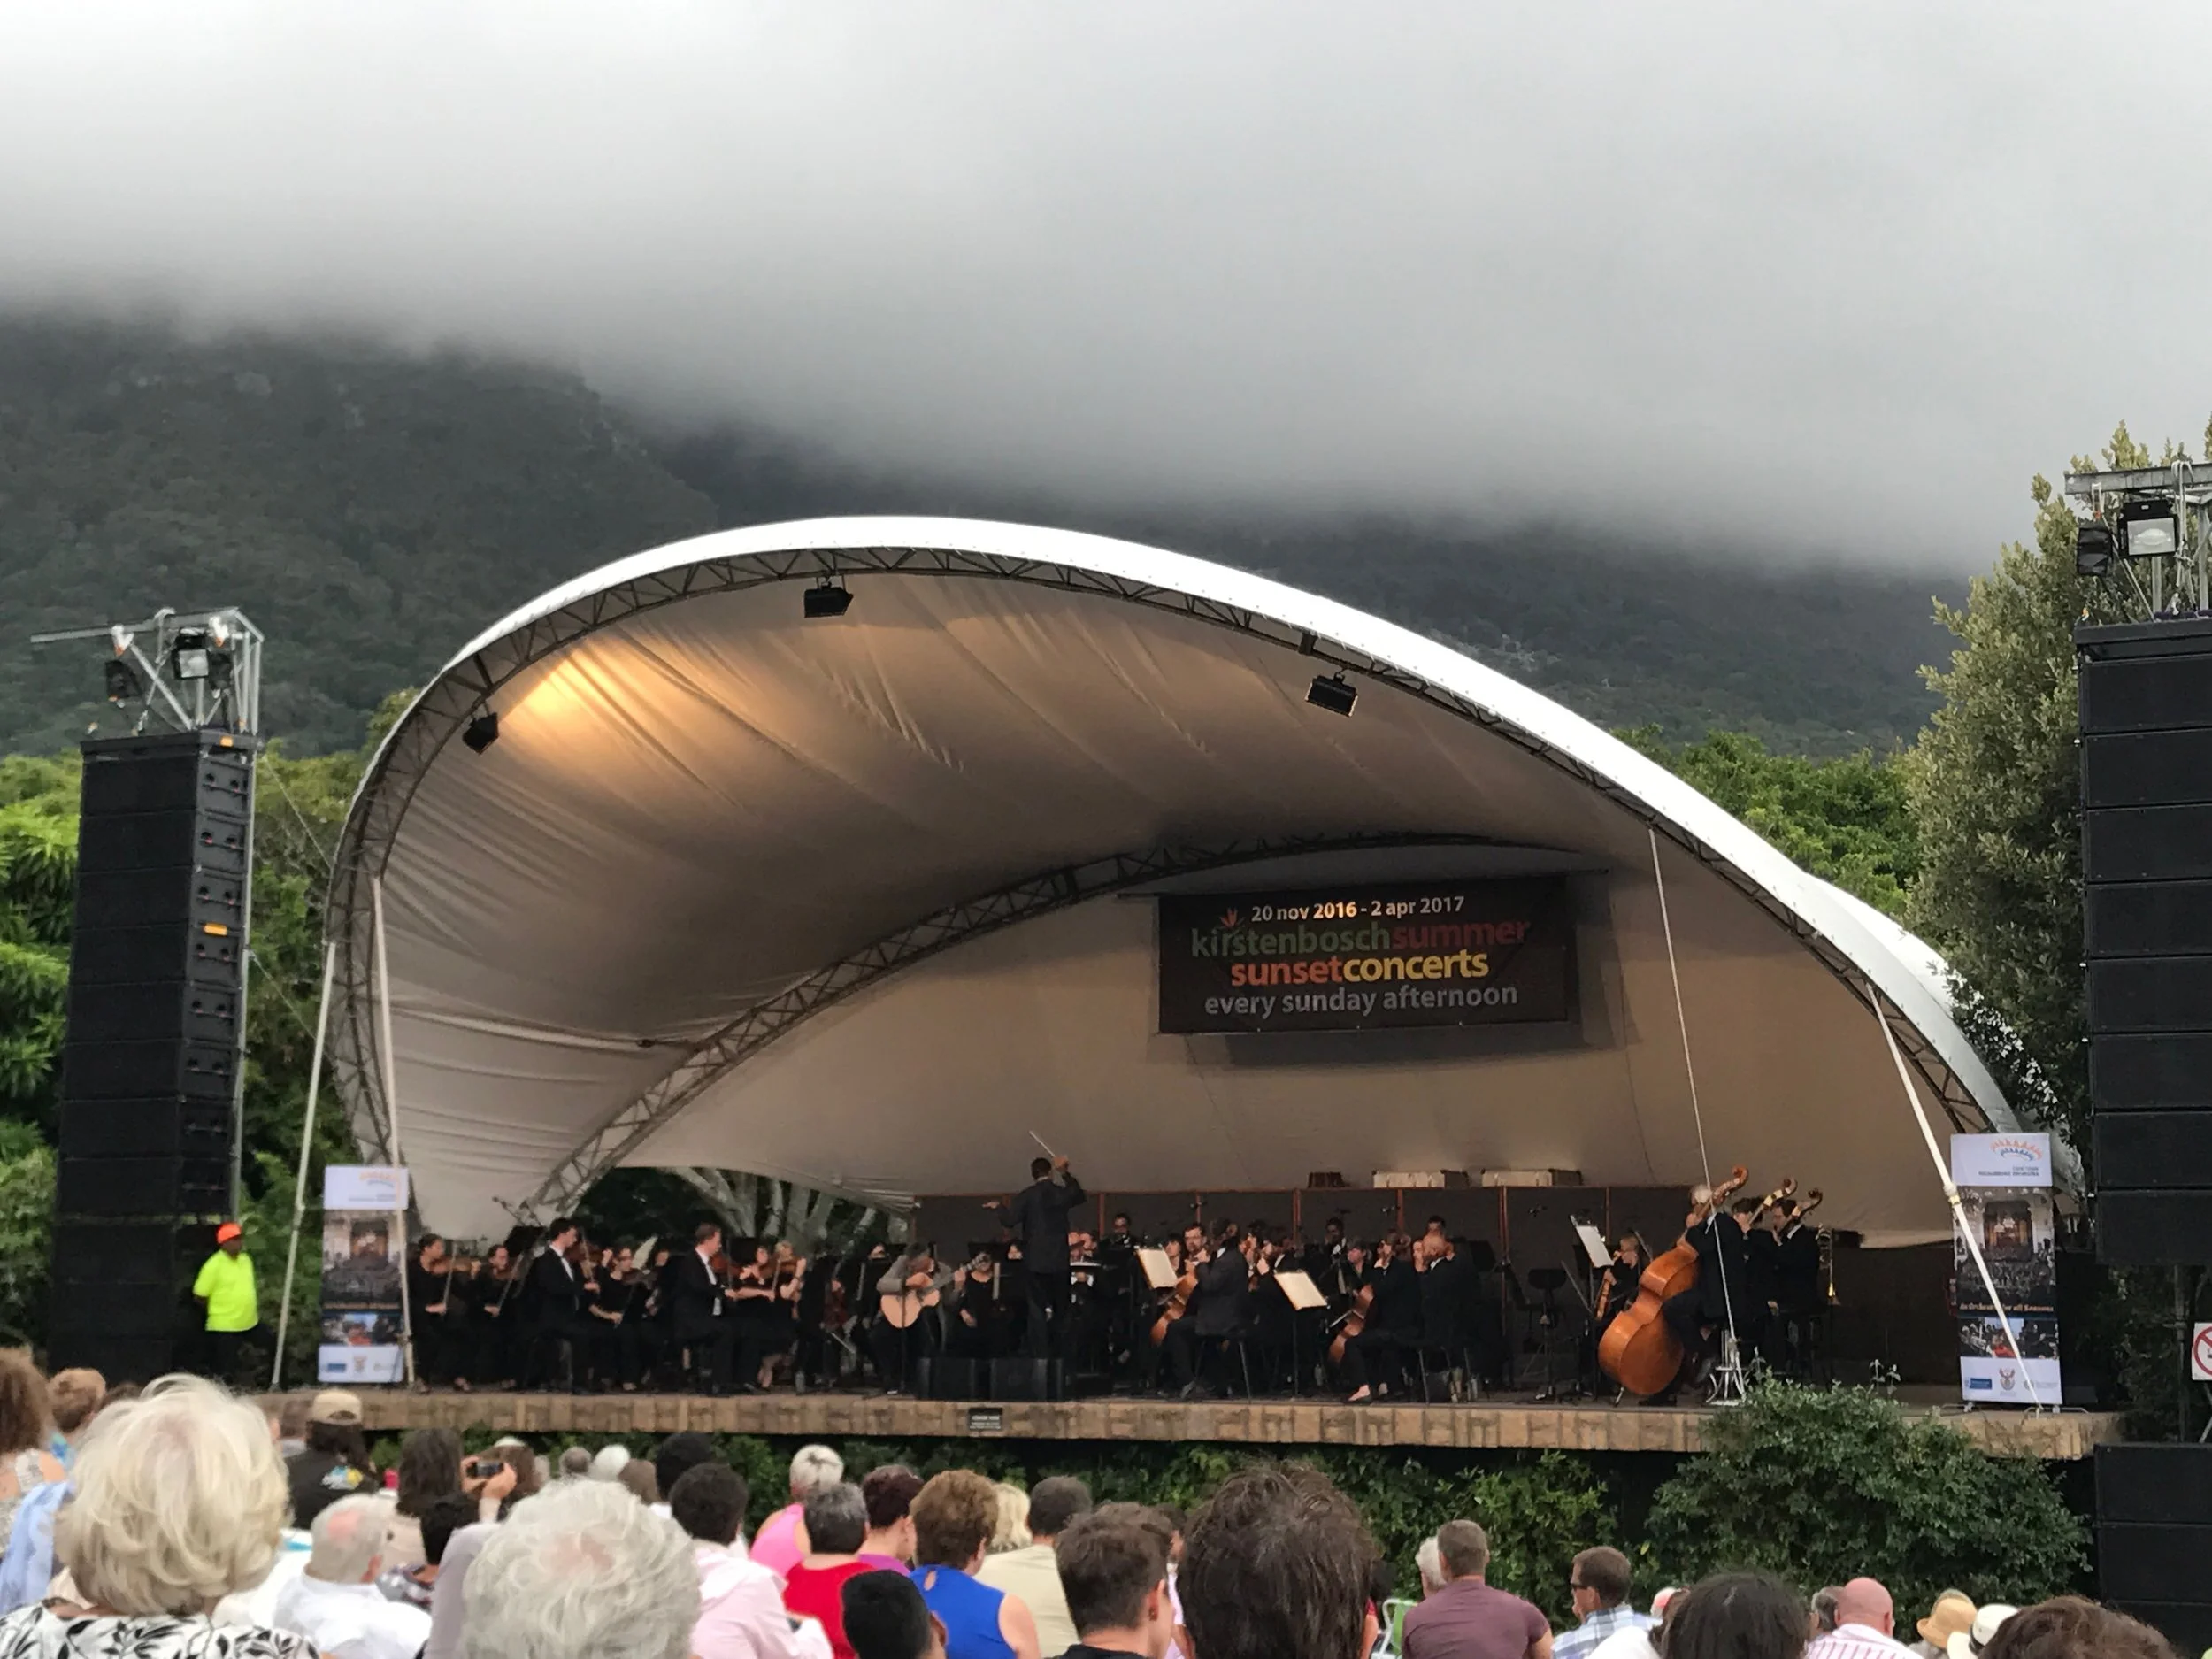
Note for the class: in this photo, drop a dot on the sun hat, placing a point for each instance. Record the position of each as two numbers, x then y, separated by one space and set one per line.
1967 1644
1952 1615
337 1408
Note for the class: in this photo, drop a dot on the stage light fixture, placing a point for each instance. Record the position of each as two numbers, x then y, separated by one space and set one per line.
2092 548
2153 531
188 653
122 684
1334 693
828 600
481 732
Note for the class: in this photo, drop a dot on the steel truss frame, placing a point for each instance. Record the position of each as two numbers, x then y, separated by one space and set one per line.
438 715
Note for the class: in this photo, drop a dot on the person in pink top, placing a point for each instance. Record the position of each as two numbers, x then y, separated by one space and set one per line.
781 1542
888 1495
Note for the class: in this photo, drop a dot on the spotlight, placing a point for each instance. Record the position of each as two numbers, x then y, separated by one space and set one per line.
122 684
481 732
2152 531
2092 548
828 600
189 653
1334 693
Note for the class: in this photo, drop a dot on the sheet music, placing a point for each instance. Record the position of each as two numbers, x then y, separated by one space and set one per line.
1157 1273
1302 1290
1593 1245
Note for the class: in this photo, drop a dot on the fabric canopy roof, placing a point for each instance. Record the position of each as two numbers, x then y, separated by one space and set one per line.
860 901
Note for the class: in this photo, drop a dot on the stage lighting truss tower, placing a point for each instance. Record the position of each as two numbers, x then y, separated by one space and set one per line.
2164 583
193 673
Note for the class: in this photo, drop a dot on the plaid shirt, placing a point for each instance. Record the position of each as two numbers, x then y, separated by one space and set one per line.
1607 1621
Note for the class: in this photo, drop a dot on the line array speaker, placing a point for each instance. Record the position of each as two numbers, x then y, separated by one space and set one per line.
151 1055
2154 1536
2146 707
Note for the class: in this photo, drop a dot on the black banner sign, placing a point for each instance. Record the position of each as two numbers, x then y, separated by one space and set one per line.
1457 953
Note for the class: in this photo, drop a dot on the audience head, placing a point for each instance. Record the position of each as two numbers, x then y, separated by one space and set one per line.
1428 1561
72 1397
180 1499
1464 1549
1057 1501
1177 1523
679 1454
887 1619
1824 1610
528 1466
582 1572
1599 1579
24 1416
1951 1612
1735 1616
442 1517
610 1461
349 1538
1277 1562
1010 1529
575 1463
1864 1602
1112 1562
429 1467
333 1427
636 1479
888 1494
954 1515
2068 1627
814 1469
708 1501
836 1520
291 1415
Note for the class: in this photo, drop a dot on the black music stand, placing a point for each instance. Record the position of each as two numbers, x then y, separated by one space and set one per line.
1549 1316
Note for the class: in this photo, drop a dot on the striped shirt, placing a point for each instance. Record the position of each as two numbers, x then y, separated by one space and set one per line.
1856 1641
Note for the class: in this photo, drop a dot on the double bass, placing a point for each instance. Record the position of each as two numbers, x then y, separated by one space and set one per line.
1638 1351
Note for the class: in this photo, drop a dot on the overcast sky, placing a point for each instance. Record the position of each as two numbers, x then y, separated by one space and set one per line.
1831 278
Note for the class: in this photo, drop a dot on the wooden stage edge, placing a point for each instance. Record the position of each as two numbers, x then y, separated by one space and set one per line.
1504 1425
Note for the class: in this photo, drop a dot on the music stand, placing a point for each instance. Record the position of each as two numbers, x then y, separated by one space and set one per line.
1304 1295
1548 1282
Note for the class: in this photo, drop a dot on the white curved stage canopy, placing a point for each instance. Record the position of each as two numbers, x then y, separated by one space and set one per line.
864 901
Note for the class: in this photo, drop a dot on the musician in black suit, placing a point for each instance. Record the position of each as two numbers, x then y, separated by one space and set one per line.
1220 1309
556 1294
1393 1323
1701 1316
1039 1216
701 1318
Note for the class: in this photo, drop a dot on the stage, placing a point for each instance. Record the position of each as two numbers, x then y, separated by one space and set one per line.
1504 1425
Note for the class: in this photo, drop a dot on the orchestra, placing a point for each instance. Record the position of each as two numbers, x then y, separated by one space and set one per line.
1237 1307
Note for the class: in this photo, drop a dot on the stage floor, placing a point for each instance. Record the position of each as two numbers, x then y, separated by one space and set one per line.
1505 1422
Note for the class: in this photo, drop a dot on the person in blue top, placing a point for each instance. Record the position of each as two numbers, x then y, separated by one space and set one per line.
953 1514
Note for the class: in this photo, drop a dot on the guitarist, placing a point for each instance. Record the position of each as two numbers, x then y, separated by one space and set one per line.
914 1285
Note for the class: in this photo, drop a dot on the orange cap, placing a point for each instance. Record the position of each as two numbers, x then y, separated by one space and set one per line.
229 1230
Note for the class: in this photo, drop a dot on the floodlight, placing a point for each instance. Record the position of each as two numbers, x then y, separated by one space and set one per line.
122 684
188 653
2153 529
828 600
481 732
2092 548
1334 693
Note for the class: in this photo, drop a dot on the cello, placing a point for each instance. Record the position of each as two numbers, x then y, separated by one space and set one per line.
1638 1351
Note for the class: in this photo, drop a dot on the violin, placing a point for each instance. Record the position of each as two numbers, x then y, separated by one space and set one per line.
1637 1350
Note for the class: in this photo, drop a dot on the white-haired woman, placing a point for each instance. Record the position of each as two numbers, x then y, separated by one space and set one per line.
179 1497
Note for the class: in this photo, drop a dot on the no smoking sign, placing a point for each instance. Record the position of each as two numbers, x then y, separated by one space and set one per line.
2200 1353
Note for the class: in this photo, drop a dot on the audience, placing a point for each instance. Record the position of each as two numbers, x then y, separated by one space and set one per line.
1823 1605
1276 1564
443 1517
888 1494
637 1478
1113 1572
575 1463
1987 1622
679 1454
335 1602
27 1428
740 1611
1429 1564
609 1462
73 1399
836 1523
334 1463
1951 1614
782 1538
1467 1618
954 1516
1736 1615
1865 1618
1011 1530
429 1469
582 1572
1031 1570
887 1619
1598 1583
2067 1627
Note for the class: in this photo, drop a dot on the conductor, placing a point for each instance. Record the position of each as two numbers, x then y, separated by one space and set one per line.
1039 1216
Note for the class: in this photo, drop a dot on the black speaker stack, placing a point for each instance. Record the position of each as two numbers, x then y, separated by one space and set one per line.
151 1056
2146 924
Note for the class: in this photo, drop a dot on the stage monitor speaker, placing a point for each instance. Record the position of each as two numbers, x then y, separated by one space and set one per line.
2146 716
2154 1536
1024 1379
938 1378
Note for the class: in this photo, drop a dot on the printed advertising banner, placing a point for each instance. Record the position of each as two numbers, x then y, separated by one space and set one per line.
365 1247
2004 1184
1440 953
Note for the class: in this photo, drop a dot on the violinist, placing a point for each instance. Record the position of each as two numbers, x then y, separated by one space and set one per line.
429 1276
1391 1324
1324 1262
492 1299
753 1301
1797 1260
617 1349
703 1321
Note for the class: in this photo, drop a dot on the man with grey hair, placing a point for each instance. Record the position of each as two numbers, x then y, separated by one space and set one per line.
1428 1561
582 1570
335 1603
